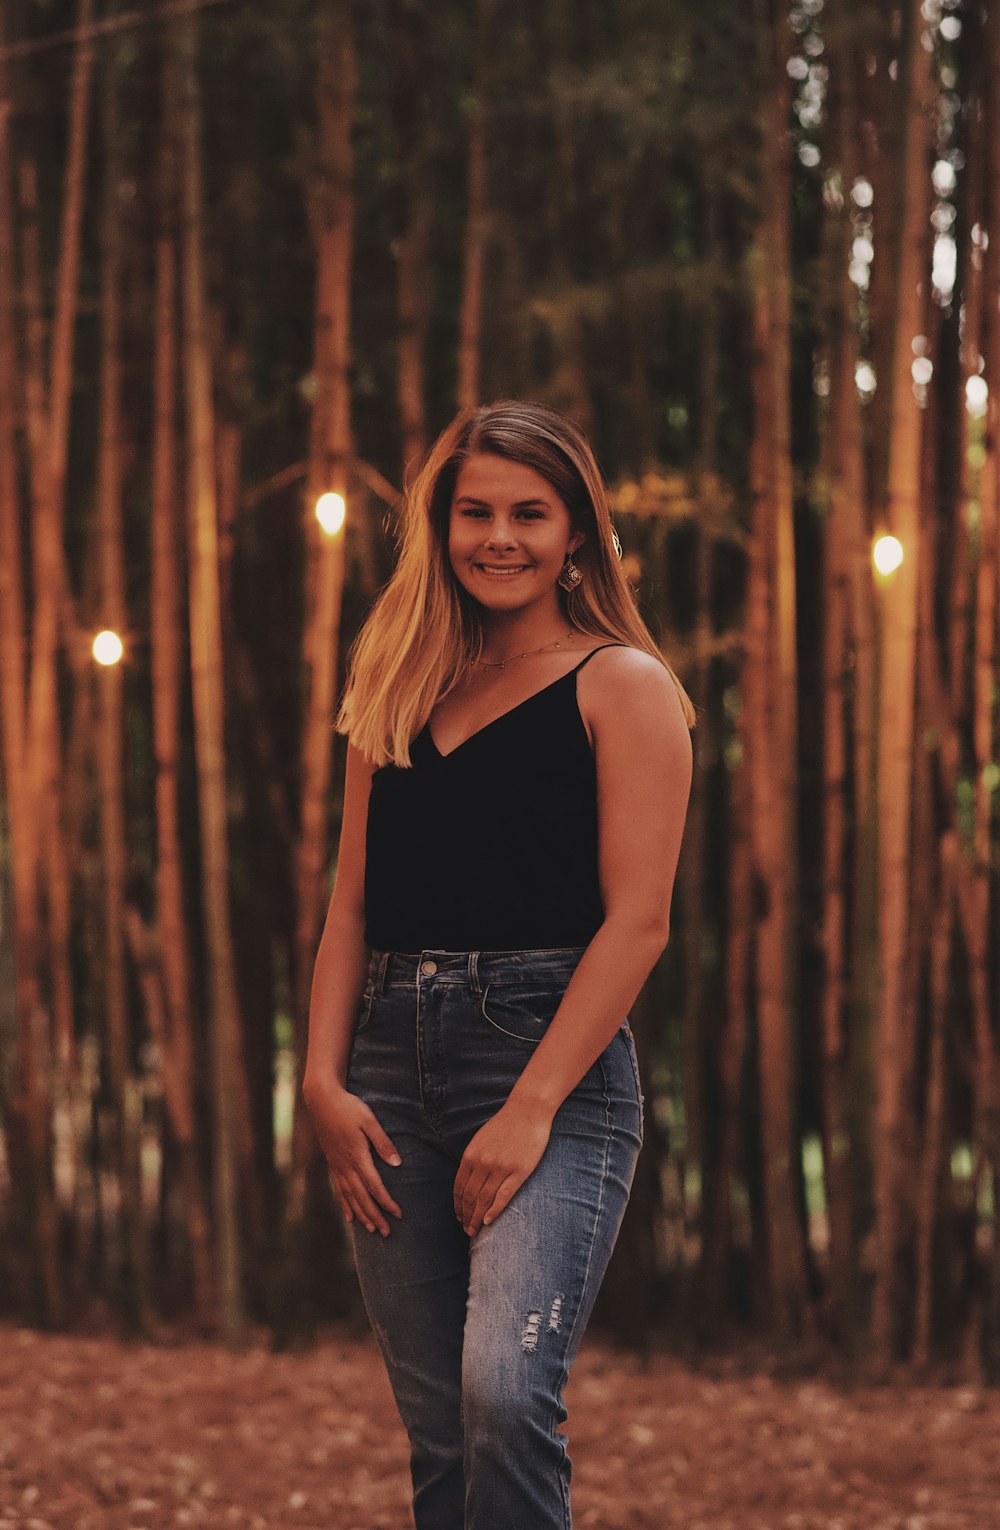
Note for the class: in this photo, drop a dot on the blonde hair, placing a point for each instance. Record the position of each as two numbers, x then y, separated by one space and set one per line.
423 634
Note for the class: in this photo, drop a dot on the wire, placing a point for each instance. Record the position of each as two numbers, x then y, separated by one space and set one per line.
126 21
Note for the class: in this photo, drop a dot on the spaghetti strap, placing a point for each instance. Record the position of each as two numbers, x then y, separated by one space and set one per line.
590 655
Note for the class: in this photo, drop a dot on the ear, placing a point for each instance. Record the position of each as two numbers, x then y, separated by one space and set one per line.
576 540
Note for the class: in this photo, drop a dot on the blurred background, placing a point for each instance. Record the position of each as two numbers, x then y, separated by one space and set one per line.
252 259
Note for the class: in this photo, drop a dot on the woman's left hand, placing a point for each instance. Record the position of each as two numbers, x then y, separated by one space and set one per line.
497 1162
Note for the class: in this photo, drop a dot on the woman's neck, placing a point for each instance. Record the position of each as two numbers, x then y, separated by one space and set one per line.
510 641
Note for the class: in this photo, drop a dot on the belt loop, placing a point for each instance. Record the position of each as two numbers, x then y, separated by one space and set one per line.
474 972
383 963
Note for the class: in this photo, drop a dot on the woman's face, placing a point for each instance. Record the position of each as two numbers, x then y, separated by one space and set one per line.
505 516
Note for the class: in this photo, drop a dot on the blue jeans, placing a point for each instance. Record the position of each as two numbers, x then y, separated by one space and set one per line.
478 1335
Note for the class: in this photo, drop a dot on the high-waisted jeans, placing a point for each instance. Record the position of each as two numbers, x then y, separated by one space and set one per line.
478 1335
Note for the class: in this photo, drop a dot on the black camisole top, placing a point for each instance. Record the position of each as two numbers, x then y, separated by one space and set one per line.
492 847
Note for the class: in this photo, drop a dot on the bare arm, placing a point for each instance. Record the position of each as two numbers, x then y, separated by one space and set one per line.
347 1129
342 956
644 767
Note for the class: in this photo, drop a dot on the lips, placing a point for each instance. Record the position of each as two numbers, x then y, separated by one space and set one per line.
502 570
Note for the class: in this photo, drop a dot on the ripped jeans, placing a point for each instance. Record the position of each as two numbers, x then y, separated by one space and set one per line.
478 1335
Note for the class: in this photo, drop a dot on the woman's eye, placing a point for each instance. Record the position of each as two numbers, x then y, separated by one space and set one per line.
529 515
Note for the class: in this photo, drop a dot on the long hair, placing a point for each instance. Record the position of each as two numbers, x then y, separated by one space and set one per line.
423 634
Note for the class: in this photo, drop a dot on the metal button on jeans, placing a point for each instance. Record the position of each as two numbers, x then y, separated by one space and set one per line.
428 968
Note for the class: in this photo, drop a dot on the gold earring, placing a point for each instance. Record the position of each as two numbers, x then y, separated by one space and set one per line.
569 576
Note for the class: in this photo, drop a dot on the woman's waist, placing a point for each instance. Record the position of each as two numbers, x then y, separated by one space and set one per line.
474 969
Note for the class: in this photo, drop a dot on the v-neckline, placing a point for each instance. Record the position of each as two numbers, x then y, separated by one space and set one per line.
509 712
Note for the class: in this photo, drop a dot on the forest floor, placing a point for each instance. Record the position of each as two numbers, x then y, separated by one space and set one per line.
97 1434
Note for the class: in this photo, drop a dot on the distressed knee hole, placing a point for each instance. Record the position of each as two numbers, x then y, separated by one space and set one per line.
529 1336
533 1325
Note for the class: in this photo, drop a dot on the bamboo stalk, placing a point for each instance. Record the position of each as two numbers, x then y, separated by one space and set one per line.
896 737
209 697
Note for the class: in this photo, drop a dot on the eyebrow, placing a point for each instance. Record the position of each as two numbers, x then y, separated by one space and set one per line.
520 504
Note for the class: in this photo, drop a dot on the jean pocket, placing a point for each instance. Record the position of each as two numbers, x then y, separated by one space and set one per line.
366 1007
625 1032
521 1011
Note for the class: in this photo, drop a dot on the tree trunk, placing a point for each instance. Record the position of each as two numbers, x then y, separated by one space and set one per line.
894 1039
209 697
476 220
702 1037
41 798
569 386
842 465
977 527
772 707
414 274
719 1232
108 739
56 846
166 597
330 449
26 1112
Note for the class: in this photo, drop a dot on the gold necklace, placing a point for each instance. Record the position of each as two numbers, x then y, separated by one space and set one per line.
500 663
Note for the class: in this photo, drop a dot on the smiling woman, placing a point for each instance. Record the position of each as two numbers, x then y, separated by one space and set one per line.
518 774
497 539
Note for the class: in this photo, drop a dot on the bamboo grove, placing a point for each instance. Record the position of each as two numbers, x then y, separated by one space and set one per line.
250 263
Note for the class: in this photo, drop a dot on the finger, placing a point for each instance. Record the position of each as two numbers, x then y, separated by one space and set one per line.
504 1195
366 1207
339 1194
473 1194
377 1190
458 1189
462 1193
485 1199
383 1146
471 1176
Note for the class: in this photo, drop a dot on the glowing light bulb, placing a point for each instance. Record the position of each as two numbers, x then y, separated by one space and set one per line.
331 512
107 648
887 554
976 396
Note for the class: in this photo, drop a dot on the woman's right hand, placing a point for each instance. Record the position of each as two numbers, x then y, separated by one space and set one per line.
348 1129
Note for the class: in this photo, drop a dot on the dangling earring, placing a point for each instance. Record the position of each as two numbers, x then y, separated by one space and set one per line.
569 575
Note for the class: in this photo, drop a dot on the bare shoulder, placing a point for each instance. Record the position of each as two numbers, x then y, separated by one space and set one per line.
626 694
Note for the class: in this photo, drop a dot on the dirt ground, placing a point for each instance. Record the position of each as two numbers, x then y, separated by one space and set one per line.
100 1435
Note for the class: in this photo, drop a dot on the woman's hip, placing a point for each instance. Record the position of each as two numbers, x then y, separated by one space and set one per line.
443 1037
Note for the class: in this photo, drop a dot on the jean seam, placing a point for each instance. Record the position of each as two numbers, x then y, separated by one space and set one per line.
634 1063
609 1137
367 1004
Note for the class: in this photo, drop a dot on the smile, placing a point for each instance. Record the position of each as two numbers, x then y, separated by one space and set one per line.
502 572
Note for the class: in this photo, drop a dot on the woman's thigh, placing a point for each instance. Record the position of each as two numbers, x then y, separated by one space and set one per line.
535 1271
414 1283
435 1056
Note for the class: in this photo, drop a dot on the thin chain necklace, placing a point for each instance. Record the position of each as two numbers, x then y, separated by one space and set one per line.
501 663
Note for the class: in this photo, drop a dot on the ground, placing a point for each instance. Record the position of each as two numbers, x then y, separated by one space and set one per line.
100 1435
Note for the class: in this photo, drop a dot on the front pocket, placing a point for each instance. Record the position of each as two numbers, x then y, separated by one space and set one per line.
521 1011
365 1010
625 1032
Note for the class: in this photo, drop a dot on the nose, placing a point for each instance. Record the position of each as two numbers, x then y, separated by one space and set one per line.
501 535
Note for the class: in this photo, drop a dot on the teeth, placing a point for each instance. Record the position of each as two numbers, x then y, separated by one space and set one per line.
500 573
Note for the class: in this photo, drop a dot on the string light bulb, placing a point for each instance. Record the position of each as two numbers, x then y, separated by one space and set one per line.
108 648
887 554
331 512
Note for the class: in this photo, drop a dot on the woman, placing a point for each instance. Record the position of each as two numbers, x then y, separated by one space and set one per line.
518 770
